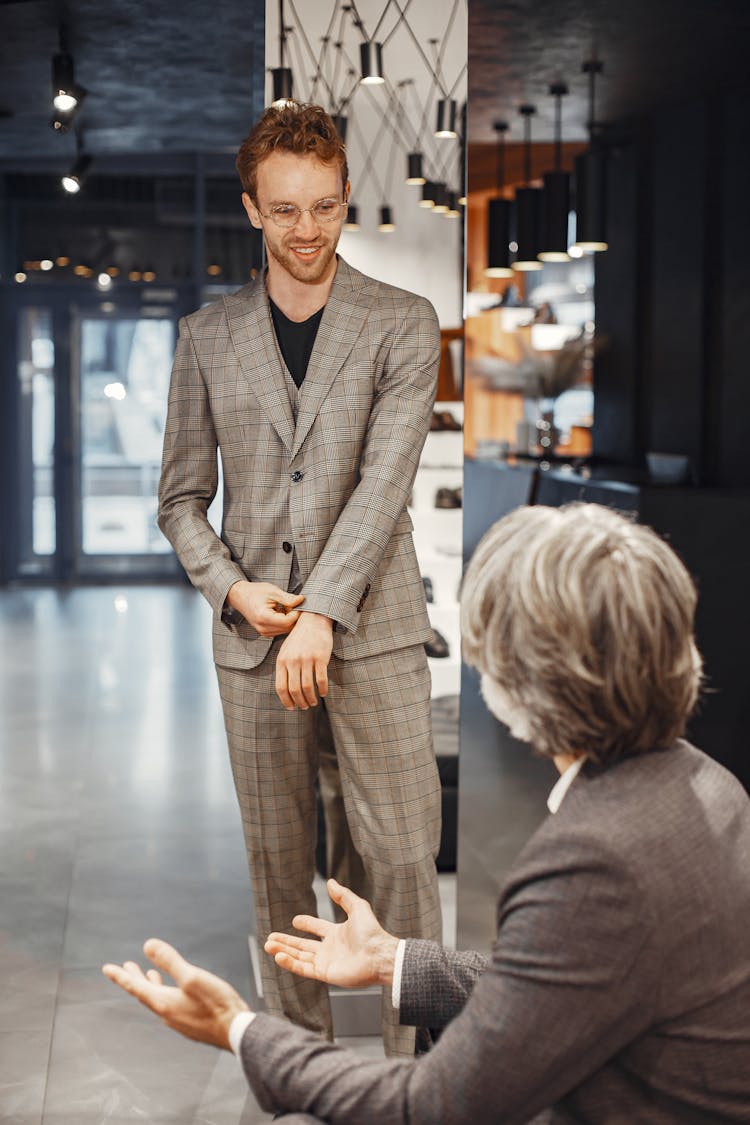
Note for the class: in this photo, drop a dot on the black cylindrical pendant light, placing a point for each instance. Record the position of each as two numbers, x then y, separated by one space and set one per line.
386 225
351 221
429 191
281 77
414 169
528 206
371 63
499 217
341 121
556 203
454 211
446 118
591 180
441 199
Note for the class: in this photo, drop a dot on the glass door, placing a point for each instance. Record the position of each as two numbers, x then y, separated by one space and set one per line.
121 367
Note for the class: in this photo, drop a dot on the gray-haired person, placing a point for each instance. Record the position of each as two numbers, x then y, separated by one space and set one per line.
618 987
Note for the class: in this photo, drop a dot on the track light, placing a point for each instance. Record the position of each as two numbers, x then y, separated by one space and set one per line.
414 169
371 63
351 221
446 118
62 120
73 181
64 89
386 225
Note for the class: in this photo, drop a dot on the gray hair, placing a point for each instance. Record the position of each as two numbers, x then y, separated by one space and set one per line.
585 619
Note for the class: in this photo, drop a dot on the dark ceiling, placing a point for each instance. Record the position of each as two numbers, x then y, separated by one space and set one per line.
178 78
655 52
161 78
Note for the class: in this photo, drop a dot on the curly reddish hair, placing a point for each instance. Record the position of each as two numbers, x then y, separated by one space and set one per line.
292 127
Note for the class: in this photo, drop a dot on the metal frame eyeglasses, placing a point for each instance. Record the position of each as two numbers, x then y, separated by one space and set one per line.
289 214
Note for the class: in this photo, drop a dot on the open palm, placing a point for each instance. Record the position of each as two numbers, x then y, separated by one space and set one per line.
352 954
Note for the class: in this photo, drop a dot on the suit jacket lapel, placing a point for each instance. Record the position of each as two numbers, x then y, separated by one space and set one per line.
340 327
254 339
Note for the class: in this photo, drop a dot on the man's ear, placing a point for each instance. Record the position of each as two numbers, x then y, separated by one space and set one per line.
347 191
253 213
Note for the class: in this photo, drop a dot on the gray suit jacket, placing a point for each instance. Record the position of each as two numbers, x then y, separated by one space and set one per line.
334 484
618 989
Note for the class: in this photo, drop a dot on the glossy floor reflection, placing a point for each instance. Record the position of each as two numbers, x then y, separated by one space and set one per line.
118 821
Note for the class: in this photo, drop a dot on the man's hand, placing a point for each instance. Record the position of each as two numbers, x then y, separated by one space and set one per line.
201 1007
270 610
351 954
303 662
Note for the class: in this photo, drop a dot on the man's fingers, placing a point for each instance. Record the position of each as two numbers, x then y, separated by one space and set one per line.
166 958
307 685
295 964
342 896
309 924
282 686
290 601
321 677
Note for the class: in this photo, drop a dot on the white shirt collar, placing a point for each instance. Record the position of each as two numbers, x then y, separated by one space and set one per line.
563 784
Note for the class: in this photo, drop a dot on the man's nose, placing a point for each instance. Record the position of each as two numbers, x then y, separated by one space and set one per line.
307 225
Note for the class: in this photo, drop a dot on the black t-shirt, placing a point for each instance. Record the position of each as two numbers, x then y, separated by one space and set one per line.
296 340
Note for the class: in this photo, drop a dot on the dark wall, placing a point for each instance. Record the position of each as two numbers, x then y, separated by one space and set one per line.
672 293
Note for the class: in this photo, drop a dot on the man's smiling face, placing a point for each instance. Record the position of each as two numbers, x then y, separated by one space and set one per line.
307 250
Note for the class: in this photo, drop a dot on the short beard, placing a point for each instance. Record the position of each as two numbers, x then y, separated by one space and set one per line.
296 270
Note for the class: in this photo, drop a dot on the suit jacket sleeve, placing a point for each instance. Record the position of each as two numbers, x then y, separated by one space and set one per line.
572 980
436 983
398 426
189 479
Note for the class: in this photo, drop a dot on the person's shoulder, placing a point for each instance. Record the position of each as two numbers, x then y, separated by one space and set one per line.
218 309
384 295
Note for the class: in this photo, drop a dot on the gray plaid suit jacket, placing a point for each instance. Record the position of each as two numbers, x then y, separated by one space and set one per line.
618 989
335 484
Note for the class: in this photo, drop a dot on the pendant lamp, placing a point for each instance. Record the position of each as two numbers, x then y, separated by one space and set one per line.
499 217
591 179
528 206
556 194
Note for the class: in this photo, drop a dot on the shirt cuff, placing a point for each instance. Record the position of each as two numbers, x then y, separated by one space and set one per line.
237 1029
397 967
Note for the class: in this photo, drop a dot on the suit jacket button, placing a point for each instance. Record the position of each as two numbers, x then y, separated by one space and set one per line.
286 547
297 476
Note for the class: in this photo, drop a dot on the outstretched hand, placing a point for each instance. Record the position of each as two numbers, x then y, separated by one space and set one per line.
201 1007
352 954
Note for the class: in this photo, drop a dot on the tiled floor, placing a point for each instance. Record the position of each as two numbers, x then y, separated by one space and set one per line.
118 821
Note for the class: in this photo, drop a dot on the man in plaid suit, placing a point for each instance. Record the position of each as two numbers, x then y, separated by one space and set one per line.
316 384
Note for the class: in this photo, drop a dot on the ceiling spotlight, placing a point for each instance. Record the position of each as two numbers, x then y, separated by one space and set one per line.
113 271
149 274
351 222
20 277
46 264
414 169
104 280
371 62
62 120
386 225
446 118
213 270
74 179
134 274
62 261
64 95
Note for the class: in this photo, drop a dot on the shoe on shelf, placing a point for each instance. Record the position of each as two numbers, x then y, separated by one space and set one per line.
438 647
443 420
449 498
429 593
